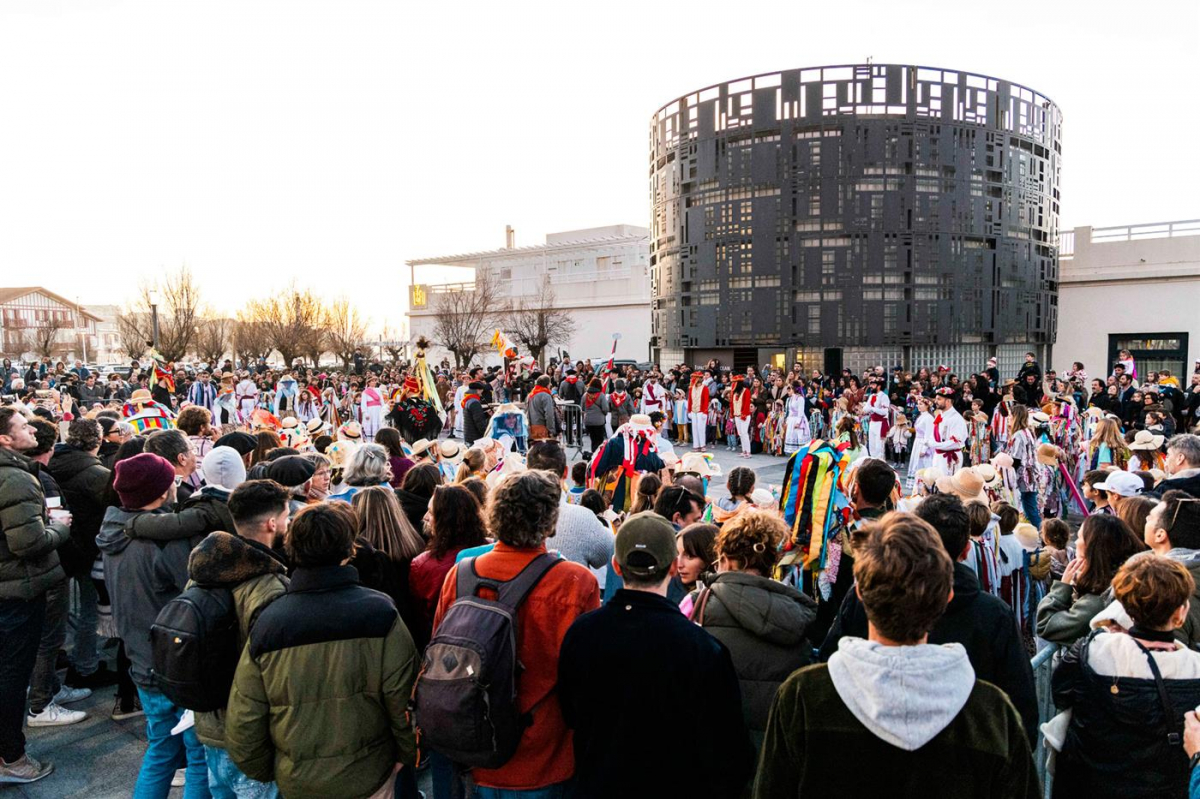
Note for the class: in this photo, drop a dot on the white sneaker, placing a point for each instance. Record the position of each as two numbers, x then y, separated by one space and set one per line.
66 695
180 778
55 716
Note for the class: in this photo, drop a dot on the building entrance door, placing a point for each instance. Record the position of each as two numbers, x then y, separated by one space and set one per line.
833 361
1152 352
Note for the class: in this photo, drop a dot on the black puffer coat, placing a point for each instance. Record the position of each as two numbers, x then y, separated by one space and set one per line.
82 478
1117 743
763 624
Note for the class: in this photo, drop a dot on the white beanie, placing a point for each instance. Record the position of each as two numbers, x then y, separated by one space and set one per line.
223 468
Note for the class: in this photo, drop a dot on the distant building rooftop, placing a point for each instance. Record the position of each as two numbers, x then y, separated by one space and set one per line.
610 234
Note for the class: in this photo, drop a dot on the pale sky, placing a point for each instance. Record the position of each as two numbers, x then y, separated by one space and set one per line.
331 141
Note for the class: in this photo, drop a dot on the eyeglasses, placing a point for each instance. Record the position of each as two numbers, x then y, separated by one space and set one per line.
1174 516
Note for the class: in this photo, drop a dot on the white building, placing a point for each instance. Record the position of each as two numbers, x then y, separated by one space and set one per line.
37 322
598 275
1135 287
108 347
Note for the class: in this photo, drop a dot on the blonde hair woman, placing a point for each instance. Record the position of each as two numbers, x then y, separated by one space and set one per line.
387 543
472 465
1107 446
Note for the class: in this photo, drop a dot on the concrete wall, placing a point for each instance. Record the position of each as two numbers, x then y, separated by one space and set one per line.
1115 286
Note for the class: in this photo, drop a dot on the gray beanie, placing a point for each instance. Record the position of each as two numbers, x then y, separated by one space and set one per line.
223 468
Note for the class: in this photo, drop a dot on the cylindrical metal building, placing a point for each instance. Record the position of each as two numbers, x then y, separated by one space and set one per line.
856 215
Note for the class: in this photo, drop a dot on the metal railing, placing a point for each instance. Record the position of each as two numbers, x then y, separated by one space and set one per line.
1119 233
1043 668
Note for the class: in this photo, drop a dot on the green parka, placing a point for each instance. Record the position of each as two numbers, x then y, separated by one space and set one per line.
28 560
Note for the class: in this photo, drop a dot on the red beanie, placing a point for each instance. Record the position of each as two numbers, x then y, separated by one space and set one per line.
143 479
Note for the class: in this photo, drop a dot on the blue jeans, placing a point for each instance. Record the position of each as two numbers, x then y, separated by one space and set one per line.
84 656
561 790
20 633
1030 505
226 781
166 752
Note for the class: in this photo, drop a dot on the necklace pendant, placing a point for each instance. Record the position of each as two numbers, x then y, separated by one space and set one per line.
1115 690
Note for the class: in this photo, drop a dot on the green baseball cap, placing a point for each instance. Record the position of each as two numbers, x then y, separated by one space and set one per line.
645 545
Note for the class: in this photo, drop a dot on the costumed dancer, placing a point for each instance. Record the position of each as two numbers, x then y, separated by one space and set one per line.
308 404
1002 418
796 430
698 399
979 433
1006 479
286 391
620 405
878 411
654 398
371 409
740 410
247 399
225 410
949 432
815 506
145 414
618 465
203 394
922 443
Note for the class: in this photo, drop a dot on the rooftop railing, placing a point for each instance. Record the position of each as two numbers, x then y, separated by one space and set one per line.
1150 230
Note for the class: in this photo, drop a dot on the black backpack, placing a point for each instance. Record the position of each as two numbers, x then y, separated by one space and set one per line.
194 641
465 698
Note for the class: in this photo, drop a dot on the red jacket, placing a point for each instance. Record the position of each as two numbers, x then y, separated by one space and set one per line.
740 405
692 397
545 755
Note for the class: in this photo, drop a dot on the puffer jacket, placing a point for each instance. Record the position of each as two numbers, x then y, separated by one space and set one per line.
28 558
82 478
255 576
1116 744
319 701
204 512
763 624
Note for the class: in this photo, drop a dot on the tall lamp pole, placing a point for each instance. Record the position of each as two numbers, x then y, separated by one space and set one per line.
154 322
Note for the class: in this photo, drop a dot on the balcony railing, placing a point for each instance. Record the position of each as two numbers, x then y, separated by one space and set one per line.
1151 230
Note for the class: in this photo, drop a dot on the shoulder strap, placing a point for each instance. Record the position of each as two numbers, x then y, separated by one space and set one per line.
468 581
701 603
513 592
1173 736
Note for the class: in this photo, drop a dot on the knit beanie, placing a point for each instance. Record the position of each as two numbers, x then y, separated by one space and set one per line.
143 479
223 468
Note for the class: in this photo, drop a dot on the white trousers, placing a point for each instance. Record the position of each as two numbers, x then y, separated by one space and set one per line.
875 440
699 423
743 430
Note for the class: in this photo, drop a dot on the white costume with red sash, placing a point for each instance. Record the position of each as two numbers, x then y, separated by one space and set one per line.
247 399
654 398
879 423
371 410
949 436
697 400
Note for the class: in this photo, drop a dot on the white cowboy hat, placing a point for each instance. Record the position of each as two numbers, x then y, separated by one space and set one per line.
697 463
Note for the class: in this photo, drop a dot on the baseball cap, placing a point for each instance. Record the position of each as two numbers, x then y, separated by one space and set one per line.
1123 484
645 545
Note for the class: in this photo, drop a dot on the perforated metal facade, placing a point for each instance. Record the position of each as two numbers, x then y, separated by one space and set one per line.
856 206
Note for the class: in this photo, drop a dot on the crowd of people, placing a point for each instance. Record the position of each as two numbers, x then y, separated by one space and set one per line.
318 583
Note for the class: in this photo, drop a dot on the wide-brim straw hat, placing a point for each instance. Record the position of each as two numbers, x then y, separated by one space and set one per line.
1027 536
988 472
696 463
1002 460
1047 454
1146 440
448 450
421 446
930 475
141 395
1038 417
966 484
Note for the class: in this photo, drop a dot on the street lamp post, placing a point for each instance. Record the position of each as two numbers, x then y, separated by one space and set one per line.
154 324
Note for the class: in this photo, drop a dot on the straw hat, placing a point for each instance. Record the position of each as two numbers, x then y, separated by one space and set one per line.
1002 460
695 462
1047 454
1027 535
317 426
1147 440
640 422
966 484
350 430
141 395
988 472
930 475
448 450
421 446
670 459
1038 417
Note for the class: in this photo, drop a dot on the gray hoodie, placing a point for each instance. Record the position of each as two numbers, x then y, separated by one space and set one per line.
141 576
905 695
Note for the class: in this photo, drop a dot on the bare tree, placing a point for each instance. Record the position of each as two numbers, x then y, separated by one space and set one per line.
293 322
46 336
391 344
131 332
212 339
17 342
464 314
178 308
347 331
249 340
535 322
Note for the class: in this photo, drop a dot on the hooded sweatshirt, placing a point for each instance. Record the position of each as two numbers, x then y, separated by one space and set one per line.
141 576
897 722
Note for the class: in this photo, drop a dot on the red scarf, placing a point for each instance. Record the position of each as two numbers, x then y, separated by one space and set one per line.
468 397
538 390
618 399
590 398
572 379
